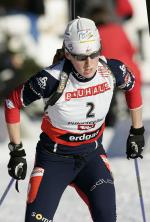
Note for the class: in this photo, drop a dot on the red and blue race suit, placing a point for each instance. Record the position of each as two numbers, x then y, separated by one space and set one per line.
70 151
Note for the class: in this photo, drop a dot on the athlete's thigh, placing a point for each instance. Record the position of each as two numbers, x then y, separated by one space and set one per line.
49 179
95 185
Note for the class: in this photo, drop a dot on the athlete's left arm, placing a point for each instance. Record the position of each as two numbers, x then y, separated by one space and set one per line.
126 81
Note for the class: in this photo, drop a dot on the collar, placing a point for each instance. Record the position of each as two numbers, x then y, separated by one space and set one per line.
81 78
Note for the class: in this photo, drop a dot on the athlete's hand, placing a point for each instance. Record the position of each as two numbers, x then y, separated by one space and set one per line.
135 143
17 166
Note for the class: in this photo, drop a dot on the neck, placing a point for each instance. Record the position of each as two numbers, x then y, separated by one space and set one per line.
79 77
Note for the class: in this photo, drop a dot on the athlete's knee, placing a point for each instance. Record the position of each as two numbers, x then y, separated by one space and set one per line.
36 198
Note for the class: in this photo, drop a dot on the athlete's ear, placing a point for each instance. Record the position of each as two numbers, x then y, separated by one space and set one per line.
67 55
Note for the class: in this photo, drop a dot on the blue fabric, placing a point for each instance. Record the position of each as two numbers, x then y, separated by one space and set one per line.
124 77
88 174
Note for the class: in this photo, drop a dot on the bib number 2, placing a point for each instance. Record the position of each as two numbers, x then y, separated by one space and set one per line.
90 112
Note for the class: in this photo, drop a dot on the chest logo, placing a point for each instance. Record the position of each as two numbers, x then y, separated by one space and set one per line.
85 126
90 91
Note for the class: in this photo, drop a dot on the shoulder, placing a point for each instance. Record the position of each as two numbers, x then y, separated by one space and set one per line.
45 81
116 65
48 77
123 75
55 69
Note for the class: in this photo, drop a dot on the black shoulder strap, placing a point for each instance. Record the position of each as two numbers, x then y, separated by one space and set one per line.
104 63
64 75
107 66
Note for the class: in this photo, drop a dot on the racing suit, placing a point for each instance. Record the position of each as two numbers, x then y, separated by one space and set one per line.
70 150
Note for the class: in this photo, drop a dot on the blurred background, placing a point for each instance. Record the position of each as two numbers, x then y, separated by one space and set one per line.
30 33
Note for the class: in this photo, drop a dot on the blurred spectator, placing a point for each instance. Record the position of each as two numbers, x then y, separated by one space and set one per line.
13 6
115 44
15 68
32 9
119 8
123 9
83 7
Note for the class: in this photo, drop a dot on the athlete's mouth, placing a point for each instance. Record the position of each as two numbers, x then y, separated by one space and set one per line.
88 70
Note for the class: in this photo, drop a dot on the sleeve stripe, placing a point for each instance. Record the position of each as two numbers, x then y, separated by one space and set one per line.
12 106
134 97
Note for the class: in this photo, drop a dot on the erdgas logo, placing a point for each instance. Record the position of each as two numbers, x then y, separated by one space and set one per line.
39 217
100 182
84 136
79 137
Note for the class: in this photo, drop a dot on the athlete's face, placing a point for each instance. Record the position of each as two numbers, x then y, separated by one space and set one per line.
84 65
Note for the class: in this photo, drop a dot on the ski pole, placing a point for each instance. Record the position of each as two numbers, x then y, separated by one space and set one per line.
72 9
19 172
139 189
6 190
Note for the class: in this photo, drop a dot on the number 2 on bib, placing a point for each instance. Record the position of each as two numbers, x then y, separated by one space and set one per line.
90 112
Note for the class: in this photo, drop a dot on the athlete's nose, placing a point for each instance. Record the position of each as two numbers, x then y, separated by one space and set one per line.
87 61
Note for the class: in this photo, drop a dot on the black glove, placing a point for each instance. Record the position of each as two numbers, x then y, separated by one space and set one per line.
135 143
17 166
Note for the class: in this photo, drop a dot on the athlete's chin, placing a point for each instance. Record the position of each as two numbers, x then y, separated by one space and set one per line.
88 73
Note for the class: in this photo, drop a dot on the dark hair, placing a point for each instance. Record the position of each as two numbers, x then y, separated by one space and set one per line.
103 14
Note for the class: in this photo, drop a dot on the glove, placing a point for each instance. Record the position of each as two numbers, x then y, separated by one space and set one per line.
17 166
135 143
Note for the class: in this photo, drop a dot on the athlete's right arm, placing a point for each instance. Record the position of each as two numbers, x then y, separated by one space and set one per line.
38 86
